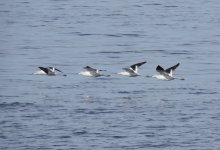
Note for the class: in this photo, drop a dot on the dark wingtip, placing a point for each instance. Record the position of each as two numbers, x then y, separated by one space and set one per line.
58 70
86 67
143 62
177 64
159 68
138 65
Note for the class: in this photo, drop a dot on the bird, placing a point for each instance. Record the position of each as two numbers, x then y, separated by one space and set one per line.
166 74
132 71
48 71
91 72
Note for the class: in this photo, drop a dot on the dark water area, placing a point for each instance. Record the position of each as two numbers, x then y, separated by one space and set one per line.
76 112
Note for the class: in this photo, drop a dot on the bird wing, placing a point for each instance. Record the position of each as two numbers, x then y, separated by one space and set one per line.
172 68
133 67
58 70
160 69
88 68
44 69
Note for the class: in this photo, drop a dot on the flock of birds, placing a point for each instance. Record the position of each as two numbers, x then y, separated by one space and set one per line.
132 71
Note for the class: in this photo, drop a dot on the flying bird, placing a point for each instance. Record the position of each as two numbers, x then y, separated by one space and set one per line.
166 74
48 71
132 71
91 72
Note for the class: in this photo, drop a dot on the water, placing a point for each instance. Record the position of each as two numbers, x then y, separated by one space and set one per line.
75 112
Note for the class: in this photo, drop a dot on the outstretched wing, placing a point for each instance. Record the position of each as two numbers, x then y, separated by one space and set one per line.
172 68
88 68
133 67
44 69
58 70
160 69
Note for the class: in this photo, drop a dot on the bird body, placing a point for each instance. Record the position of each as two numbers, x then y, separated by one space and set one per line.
47 71
91 72
166 74
132 71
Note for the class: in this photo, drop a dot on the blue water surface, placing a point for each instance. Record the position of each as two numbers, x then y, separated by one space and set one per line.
115 113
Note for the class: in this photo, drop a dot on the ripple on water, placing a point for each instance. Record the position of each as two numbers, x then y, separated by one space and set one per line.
202 91
153 4
41 112
78 132
12 105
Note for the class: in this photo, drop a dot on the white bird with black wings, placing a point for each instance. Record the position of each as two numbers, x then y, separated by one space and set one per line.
132 71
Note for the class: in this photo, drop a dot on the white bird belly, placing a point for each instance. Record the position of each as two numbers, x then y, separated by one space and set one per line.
86 73
40 72
160 77
125 73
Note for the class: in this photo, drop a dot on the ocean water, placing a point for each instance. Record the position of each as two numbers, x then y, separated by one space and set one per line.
115 113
